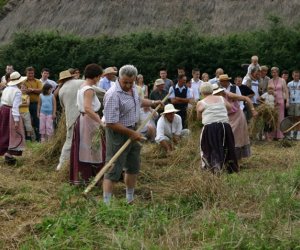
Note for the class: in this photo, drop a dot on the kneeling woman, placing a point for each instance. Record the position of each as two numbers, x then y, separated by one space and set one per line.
216 140
86 159
11 125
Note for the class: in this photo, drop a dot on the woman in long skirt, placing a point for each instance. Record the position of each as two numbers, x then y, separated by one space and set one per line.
11 126
237 121
87 159
216 140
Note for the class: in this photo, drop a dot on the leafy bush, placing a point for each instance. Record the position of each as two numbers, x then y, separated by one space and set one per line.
276 46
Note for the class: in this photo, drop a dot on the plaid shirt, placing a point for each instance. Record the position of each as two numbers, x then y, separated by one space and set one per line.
121 107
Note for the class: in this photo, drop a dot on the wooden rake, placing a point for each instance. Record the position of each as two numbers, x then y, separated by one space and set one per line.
120 151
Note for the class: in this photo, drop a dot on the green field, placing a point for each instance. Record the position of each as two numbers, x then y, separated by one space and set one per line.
177 205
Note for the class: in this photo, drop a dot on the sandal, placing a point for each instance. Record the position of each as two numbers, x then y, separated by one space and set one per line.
10 160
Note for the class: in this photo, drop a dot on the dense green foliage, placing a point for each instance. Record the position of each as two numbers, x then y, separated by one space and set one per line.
277 46
2 3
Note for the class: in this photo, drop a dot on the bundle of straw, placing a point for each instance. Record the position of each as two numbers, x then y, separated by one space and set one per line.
49 152
267 116
97 138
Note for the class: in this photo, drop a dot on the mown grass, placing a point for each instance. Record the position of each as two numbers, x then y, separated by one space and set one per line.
259 208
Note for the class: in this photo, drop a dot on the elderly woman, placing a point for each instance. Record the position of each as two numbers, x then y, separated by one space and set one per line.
11 126
87 159
237 120
281 93
216 140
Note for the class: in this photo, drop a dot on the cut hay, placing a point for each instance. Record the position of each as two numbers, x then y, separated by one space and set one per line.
97 138
49 152
267 116
192 120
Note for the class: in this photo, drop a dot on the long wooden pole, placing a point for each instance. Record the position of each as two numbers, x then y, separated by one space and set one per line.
120 151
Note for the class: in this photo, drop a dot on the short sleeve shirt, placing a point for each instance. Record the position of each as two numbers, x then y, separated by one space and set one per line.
122 107
35 84
294 90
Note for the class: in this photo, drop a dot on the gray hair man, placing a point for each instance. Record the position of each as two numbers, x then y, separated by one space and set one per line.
121 110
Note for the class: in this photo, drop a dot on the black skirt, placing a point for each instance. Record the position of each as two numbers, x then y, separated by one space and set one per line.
218 148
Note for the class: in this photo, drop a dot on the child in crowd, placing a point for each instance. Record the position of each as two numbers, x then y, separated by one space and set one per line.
46 112
254 64
269 99
149 131
205 77
24 112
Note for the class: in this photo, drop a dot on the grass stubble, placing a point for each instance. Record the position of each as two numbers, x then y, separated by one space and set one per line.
177 206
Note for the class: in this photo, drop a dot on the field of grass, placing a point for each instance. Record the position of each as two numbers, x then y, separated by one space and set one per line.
177 205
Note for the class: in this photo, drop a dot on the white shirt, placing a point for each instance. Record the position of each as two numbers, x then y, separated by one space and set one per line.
214 80
12 96
196 89
172 92
80 99
254 87
294 90
238 92
51 82
269 99
167 129
143 116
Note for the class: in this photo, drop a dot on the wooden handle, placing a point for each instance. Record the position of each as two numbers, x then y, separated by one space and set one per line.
289 129
120 151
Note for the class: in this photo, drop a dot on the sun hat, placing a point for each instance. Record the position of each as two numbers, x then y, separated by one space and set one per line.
217 89
109 70
64 75
169 108
224 77
159 82
16 78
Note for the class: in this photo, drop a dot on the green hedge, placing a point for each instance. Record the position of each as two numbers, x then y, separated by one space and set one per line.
276 46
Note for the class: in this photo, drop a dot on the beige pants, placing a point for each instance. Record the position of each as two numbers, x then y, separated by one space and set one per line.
66 150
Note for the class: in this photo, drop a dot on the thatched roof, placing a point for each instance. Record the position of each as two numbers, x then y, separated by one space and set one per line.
114 17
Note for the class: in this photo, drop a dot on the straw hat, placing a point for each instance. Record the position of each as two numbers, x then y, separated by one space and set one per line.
109 70
159 82
224 77
16 78
217 89
64 75
169 108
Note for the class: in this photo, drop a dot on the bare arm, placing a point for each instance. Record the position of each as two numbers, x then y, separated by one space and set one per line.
199 109
149 103
246 99
286 91
87 103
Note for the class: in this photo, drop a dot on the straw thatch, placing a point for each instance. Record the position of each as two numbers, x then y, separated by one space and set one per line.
209 16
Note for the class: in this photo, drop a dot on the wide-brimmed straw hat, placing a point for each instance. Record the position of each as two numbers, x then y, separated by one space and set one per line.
64 75
169 108
217 89
16 78
159 82
224 77
109 70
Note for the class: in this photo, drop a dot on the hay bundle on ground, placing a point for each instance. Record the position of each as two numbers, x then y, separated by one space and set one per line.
267 116
49 152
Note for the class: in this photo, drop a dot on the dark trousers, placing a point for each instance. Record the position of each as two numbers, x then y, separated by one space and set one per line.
183 115
35 119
